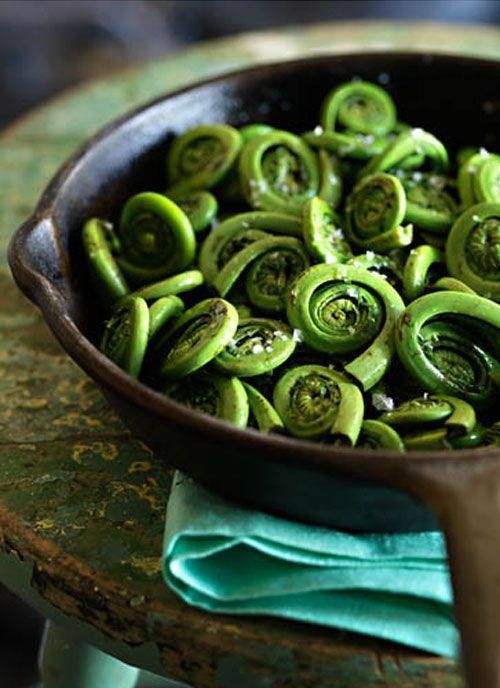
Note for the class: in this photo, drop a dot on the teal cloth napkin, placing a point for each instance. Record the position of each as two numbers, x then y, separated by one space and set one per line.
228 559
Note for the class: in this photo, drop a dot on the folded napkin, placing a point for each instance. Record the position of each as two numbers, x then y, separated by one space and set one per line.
228 559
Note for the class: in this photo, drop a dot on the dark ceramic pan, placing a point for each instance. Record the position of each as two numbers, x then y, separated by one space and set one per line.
456 98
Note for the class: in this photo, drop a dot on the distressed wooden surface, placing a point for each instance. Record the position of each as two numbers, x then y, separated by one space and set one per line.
82 503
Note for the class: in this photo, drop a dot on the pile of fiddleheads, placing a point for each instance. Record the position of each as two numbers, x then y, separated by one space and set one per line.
340 285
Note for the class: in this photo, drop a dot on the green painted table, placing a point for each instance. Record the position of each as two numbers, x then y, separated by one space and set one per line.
82 504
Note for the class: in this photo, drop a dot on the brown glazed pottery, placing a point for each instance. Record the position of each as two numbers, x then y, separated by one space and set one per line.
457 99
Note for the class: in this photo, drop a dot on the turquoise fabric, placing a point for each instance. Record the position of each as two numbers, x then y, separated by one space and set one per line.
228 559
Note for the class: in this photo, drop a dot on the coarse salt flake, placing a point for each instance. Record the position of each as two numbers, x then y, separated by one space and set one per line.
382 402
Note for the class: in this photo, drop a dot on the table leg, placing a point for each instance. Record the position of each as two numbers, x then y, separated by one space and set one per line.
68 663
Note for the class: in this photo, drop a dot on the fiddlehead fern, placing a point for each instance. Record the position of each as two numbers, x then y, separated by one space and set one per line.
222 397
359 106
448 341
417 273
331 185
341 309
432 422
250 131
479 179
345 312
201 157
262 411
475 438
322 235
346 145
162 311
156 238
230 189
98 239
197 337
316 402
258 346
243 310
126 335
200 207
177 284
428 205
473 249
278 172
389 266
451 284
374 211
271 264
378 435
237 232
464 154
411 142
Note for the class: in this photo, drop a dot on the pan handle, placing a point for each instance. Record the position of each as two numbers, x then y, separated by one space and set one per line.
39 264
469 512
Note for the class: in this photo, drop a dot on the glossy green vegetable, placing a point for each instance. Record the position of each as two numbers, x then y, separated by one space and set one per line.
200 208
354 146
222 397
265 415
177 284
279 172
448 341
201 157
271 264
331 185
197 337
126 335
232 235
250 131
280 259
451 284
479 179
416 273
405 145
162 311
314 401
322 235
243 310
473 249
98 238
342 309
389 266
428 205
378 435
360 107
432 422
464 154
375 210
258 346
156 238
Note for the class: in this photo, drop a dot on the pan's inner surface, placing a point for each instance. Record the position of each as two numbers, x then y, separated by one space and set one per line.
457 99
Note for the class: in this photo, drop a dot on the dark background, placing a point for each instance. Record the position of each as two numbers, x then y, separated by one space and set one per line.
48 45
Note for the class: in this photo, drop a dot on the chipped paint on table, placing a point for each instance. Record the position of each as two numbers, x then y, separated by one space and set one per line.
82 503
